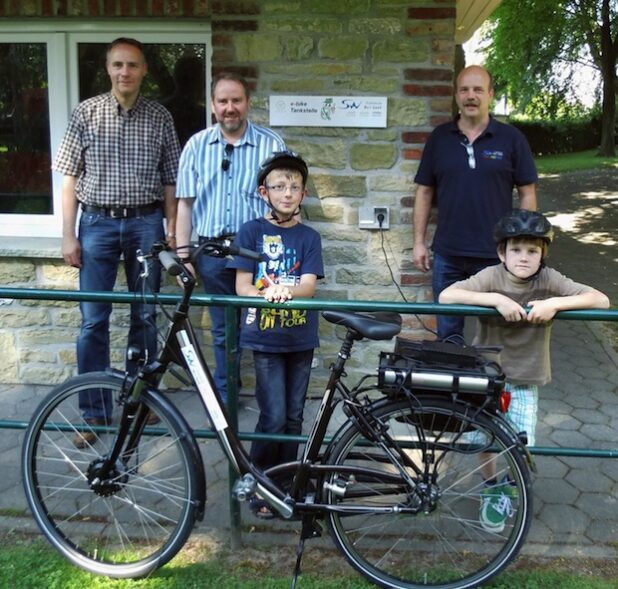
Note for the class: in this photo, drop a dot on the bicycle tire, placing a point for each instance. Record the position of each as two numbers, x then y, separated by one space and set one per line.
432 537
137 524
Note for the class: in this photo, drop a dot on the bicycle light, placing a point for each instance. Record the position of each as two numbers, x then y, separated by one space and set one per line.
504 400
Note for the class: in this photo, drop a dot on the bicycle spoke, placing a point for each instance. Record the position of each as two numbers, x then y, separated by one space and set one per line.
132 519
432 536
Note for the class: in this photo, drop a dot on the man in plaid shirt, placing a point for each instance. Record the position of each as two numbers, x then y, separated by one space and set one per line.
119 160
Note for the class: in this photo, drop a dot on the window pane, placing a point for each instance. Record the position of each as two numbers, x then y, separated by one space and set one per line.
176 78
25 173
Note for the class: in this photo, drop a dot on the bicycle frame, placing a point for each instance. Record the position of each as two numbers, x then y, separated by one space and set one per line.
404 454
181 341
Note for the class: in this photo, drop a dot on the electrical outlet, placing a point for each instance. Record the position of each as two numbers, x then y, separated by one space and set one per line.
373 218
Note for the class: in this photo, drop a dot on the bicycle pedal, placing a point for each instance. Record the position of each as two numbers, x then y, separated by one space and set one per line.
244 488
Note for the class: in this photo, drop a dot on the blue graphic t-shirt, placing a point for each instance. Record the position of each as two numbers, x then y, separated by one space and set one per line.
289 252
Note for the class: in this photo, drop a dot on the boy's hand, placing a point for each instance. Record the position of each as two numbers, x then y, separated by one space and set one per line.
510 310
277 293
541 311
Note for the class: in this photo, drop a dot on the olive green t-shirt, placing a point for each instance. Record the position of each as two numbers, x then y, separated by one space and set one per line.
525 354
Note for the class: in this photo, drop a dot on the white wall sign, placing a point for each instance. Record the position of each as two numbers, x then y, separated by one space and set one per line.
328 111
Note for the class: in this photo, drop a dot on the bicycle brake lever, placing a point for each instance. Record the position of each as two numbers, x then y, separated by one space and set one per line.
142 259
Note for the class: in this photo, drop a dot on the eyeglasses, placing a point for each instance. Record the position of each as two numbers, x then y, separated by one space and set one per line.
471 158
227 158
281 188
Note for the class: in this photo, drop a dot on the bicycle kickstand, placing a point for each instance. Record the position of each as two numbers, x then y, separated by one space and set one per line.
299 554
310 529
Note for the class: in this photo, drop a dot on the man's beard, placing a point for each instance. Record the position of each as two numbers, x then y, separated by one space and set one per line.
232 126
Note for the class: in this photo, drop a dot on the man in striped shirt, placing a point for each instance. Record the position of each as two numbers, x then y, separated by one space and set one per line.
119 160
217 191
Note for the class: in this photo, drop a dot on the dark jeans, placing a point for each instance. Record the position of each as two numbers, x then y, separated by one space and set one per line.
280 389
446 271
103 241
218 279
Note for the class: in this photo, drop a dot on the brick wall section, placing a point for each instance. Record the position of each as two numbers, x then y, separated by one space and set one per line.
402 49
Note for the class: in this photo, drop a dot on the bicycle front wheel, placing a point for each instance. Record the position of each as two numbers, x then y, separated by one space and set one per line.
134 519
411 511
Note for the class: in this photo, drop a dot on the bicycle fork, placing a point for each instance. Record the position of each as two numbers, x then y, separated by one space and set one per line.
105 475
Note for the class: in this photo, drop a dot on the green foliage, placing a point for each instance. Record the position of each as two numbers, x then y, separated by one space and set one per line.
570 162
547 106
533 47
559 135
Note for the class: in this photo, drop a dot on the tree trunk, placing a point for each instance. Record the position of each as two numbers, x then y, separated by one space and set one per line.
608 72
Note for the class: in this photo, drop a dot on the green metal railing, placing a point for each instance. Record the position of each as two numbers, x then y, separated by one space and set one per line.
232 303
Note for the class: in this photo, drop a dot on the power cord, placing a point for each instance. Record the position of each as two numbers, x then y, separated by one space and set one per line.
380 218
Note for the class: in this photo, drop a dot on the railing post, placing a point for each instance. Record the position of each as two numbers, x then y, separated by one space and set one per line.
232 363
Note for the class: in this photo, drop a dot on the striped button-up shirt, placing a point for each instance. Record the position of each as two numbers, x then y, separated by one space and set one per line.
120 158
225 199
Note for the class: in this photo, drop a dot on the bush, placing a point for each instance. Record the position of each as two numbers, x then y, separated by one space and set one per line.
561 136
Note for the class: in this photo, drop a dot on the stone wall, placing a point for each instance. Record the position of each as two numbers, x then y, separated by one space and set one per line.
400 49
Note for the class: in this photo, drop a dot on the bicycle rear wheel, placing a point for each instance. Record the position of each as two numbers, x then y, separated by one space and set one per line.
141 514
407 512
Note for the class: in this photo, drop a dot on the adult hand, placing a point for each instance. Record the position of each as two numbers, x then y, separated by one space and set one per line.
190 269
421 257
72 251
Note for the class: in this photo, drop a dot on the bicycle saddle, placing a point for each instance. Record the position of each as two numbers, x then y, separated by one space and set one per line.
376 326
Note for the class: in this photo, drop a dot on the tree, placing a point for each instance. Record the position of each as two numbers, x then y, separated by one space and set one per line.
535 44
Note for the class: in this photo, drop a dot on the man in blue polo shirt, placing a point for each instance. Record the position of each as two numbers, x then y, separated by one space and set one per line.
468 171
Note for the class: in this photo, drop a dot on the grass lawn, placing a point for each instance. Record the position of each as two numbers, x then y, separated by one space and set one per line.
27 563
570 162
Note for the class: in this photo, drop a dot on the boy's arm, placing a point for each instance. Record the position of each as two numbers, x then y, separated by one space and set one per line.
544 310
244 284
279 293
306 288
507 307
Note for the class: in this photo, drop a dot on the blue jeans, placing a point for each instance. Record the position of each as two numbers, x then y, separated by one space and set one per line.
218 279
446 271
280 389
103 241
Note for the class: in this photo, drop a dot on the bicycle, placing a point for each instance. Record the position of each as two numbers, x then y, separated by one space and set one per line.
398 484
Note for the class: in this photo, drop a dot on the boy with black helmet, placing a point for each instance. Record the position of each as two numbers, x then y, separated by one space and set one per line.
527 294
282 160
282 339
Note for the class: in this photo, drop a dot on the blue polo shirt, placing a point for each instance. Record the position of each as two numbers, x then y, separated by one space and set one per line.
473 192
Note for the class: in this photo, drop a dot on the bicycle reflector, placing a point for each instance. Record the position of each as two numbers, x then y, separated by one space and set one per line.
504 400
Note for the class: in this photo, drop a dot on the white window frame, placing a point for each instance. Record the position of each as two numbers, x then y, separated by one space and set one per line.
62 37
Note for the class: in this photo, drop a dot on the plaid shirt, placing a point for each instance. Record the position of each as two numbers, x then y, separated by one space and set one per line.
120 158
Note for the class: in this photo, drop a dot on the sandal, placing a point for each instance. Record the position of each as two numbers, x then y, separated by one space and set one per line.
260 509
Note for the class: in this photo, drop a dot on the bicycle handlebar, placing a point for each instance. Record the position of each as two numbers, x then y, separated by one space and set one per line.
245 253
219 249
170 262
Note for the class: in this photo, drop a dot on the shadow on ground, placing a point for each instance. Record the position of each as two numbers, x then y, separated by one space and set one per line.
583 207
